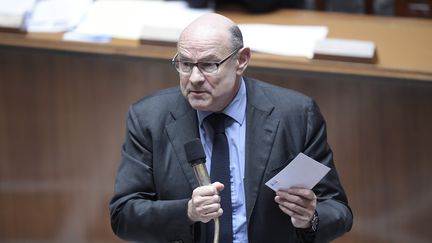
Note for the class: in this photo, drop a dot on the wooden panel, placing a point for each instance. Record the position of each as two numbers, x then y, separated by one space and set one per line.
413 8
62 122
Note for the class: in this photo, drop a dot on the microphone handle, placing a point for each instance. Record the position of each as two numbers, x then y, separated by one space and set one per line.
204 180
202 174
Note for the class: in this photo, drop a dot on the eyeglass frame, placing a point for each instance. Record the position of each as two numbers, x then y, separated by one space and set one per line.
174 61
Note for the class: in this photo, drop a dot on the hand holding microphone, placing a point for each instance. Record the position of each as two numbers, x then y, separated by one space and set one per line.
204 205
205 202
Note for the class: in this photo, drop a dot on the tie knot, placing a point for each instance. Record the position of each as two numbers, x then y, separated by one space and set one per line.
217 122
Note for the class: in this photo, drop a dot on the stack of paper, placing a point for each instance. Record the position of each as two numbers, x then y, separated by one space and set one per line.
283 39
13 14
132 19
346 50
57 15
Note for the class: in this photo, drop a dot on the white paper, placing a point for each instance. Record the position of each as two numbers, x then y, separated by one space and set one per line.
16 7
57 15
345 47
74 36
128 19
302 171
287 40
13 13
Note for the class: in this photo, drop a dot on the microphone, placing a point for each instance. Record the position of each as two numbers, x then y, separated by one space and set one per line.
196 157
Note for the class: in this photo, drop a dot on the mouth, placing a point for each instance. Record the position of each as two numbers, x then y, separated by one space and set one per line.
197 92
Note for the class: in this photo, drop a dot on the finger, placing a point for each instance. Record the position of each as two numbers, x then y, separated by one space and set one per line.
294 215
294 207
218 186
206 218
302 192
211 208
207 208
285 196
306 202
205 212
208 190
200 201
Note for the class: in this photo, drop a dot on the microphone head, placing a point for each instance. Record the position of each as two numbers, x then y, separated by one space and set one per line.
194 152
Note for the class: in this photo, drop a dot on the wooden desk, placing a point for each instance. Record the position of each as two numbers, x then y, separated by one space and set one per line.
63 105
403 44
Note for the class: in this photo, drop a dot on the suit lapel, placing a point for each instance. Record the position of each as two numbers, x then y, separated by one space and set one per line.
260 134
183 129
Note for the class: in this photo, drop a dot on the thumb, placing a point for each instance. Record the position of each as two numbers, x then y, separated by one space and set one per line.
219 186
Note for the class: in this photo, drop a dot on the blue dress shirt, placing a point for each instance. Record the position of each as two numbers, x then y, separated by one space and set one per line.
236 134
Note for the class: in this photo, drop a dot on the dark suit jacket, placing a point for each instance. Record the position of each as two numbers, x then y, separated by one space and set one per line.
155 181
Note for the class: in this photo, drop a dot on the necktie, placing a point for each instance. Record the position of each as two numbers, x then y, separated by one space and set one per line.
220 171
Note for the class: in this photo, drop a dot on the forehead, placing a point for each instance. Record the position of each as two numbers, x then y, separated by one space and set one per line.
203 43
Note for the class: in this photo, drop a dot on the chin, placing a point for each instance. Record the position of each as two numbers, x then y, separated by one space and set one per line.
199 105
202 108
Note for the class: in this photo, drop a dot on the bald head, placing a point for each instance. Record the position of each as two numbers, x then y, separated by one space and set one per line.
213 27
211 20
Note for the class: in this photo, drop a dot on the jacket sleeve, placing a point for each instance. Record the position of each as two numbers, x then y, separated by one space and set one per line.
136 212
335 216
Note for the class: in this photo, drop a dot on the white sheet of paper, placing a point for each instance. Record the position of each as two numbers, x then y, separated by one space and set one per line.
302 171
13 13
289 40
345 47
16 7
57 15
129 19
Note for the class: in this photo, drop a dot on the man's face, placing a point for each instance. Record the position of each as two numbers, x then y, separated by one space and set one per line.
208 92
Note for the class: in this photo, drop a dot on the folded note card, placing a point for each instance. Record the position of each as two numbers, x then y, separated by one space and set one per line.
302 171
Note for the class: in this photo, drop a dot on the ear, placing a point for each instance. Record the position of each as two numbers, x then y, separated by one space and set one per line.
243 60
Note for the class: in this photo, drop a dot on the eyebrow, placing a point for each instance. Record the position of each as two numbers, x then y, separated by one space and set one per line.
209 58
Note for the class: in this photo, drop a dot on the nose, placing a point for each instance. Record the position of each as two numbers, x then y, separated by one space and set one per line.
196 76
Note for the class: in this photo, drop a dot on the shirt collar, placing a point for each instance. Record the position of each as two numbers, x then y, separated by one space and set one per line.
236 109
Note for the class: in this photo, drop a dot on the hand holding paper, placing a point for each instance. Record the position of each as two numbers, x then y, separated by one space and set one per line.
293 189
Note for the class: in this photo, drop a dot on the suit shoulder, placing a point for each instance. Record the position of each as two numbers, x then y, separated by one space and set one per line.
156 108
283 97
160 100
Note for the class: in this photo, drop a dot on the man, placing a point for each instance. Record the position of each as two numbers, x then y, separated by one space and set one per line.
157 197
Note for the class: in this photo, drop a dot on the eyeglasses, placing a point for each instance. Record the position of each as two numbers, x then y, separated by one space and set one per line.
205 67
